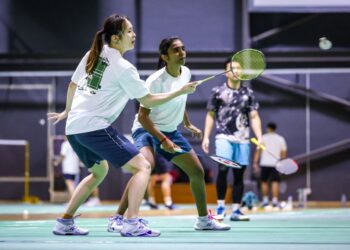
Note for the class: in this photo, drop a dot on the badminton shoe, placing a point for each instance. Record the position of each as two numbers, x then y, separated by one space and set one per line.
220 213
68 227
115 224
170 207
210 223
237 215
138 228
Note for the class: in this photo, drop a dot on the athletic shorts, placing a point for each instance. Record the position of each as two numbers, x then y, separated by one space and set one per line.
142 138
104 144
72 177
269 174
177 138
233 151
162 166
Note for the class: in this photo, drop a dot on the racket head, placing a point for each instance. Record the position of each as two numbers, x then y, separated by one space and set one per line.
224 161
252 63
287 166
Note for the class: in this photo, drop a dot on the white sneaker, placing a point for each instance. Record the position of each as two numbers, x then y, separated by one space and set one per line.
115 224
138 229
210 224
237 215
68 227
92 202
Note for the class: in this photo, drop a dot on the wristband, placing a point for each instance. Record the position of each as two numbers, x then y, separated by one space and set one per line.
164 139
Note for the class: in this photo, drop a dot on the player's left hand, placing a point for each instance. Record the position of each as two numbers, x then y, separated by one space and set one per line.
196 132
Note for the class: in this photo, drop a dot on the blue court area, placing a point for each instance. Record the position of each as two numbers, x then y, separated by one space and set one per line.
297 229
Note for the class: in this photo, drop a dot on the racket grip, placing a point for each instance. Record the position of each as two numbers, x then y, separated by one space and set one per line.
180 150
255 141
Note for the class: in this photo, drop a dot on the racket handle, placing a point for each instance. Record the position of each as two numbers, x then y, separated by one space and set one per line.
204 80
177 150
255 141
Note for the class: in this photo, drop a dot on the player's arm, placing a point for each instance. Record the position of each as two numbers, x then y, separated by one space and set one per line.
256 125
209 124
57 117
196 132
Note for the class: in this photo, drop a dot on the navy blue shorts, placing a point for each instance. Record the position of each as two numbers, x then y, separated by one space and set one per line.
72 177
142 138
162 166
177 138
104 144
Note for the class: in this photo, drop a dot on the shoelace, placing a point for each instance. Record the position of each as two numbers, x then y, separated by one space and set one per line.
143 223
116 218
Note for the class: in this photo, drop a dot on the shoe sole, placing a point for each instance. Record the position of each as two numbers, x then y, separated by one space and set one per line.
68 234
141 235
113 230
212 229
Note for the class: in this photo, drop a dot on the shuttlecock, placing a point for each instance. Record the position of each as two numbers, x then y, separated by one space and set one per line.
324 43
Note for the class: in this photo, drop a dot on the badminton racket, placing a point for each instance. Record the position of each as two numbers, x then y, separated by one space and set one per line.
285 166
218 159
252 64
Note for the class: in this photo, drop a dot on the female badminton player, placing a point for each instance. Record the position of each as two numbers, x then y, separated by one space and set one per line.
100 87
156 129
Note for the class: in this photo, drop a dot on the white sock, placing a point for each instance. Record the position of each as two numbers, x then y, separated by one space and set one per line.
221 203
274 200
265 199
132 221
203 218
152 200
168 201
235 206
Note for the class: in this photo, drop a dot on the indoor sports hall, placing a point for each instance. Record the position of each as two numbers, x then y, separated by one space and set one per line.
291 57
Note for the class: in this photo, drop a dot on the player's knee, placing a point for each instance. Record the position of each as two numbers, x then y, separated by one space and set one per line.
197 172
146 167
101 171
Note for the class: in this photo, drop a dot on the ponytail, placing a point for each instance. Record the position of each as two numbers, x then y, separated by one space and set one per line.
95 51
161 63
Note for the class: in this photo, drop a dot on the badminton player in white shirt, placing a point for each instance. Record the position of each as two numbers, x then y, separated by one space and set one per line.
100 88
156 129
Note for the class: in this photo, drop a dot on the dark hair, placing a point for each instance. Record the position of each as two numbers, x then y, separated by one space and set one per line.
272 125
113 25
163 49
228 60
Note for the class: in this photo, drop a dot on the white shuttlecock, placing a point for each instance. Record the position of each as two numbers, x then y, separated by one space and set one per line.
324 43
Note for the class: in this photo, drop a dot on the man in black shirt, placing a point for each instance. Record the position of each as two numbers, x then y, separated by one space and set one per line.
233 109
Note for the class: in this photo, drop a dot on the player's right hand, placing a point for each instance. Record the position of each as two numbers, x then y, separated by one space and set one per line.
189 88
57 117
205 145
170 147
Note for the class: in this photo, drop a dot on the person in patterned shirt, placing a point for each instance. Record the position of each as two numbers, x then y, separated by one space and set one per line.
233 109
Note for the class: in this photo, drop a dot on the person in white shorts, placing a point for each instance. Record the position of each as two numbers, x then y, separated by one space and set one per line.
100 88
276 144
155 130
70 166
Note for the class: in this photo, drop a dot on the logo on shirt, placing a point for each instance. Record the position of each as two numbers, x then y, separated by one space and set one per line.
94 80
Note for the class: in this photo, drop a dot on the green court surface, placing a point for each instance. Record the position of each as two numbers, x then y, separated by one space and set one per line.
297 229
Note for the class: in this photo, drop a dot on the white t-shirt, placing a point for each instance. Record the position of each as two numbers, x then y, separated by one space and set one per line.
275 144
97 108
168 116
70 163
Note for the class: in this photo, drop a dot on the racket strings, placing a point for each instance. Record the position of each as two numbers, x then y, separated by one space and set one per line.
252 63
